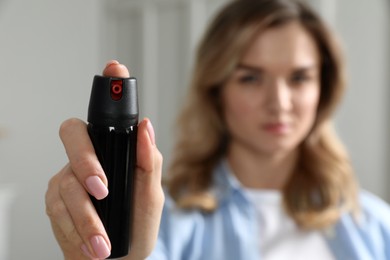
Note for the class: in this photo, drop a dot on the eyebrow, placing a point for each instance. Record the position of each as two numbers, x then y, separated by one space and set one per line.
260 69
249 67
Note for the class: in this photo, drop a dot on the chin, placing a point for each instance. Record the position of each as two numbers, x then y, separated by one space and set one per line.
277 148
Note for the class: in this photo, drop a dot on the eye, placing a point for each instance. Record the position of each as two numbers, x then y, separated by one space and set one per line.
299 78
250 79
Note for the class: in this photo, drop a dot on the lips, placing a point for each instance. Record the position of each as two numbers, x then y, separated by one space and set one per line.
278 128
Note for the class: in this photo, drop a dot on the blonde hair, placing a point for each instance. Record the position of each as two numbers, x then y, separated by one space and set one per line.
322 185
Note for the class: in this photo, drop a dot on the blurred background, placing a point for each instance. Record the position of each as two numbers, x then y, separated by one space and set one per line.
50 51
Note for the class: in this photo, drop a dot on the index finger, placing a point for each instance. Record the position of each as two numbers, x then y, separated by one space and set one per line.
82 157
79 148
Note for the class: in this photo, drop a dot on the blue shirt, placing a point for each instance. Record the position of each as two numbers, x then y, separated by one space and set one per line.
230 231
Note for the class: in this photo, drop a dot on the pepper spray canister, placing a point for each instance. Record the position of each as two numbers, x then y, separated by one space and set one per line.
112 127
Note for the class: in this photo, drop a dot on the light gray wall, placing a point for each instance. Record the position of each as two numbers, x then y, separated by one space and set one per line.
48 54
364 118
50 51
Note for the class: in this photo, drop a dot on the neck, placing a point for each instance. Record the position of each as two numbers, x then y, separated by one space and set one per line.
259 170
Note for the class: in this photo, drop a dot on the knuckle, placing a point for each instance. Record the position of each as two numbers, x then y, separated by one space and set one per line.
56 209
68 183
52 191
52 183
89 223
73 235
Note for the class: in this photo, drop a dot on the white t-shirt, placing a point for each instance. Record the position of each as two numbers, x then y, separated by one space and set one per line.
280 238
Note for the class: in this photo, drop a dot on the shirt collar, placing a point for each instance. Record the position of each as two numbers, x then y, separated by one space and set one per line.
225 183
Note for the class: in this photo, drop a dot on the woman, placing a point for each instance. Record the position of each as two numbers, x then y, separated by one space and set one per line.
257 171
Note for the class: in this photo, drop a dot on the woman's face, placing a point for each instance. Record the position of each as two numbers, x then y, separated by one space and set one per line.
270 100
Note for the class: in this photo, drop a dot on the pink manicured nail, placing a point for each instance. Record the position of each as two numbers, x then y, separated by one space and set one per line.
150 129
100 247
96 187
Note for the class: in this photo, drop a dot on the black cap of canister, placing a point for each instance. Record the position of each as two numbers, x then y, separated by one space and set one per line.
113 102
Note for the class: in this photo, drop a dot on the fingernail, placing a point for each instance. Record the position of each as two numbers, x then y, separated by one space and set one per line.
150 129
112 62
100 247
96 187
86 252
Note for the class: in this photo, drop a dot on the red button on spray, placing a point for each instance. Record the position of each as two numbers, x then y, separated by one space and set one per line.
116 89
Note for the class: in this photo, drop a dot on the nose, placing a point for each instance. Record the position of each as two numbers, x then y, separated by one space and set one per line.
279 96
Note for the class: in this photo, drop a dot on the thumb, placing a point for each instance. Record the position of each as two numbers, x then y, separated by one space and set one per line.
146 148
115 69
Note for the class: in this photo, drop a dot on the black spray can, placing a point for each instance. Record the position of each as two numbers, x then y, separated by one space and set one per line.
112 127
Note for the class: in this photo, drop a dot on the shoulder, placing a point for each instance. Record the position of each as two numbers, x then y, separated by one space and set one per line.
374 209
365 235
373 225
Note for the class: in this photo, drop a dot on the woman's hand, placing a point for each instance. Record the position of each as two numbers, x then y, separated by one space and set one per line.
75 223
